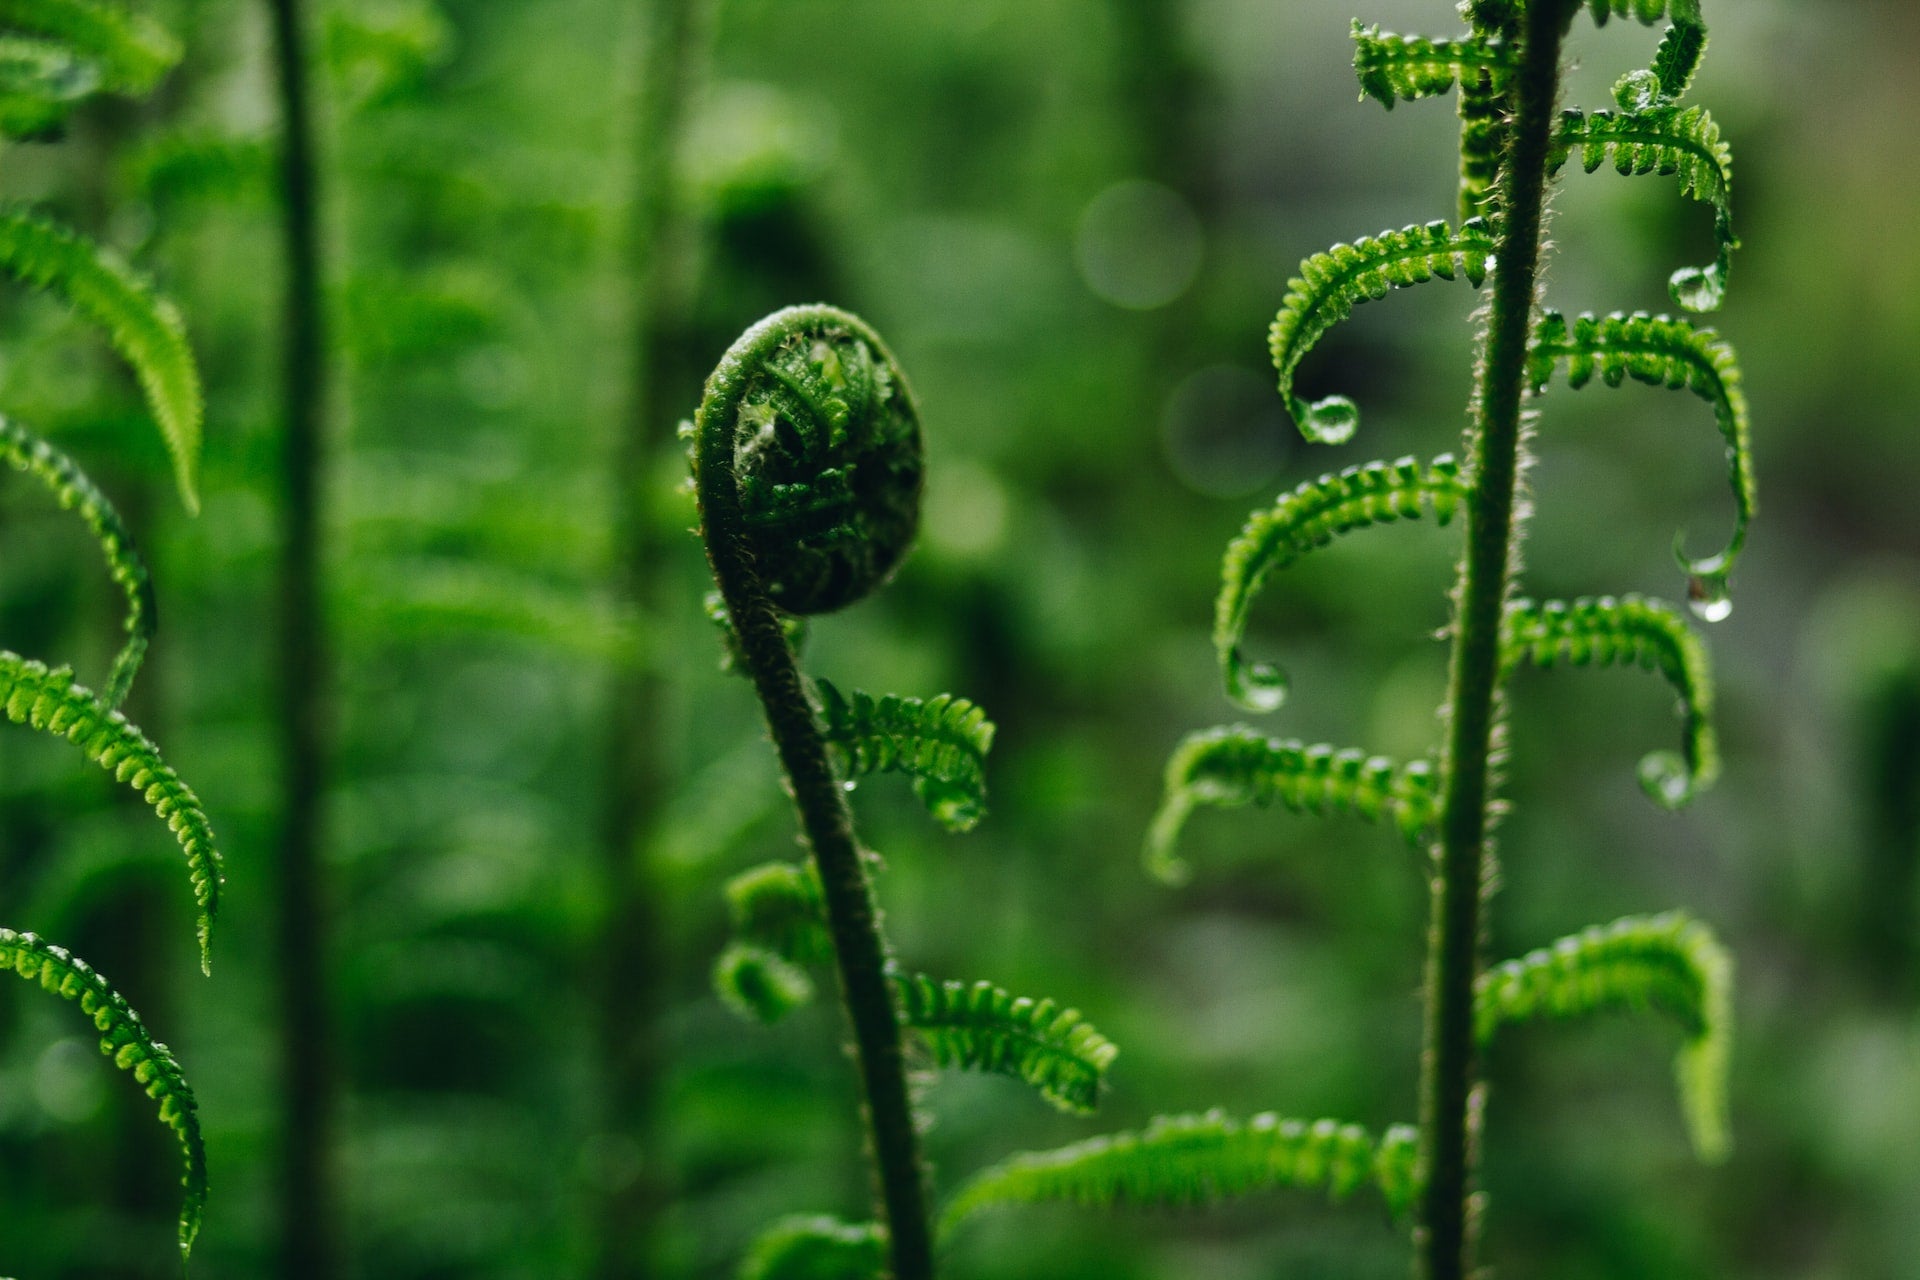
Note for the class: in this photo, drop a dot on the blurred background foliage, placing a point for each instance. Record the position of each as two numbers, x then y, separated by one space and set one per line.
1073 221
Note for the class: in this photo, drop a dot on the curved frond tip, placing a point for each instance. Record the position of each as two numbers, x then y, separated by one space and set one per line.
1236 765
942 743
1629 631
1196 1160
24 451
1662 351
760 984
817 1248
130 50
1666 140
143 327
1331 284
1677 58
1311 516
125 1039
47 699
1666 962
780 906
1394 68
980 1027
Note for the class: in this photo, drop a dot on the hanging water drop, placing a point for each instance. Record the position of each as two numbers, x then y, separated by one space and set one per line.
1708 596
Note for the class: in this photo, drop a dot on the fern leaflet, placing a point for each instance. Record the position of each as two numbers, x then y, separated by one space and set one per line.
1235 765
979 1027
25 451
1331 284
1394 67
39 84
760 984
1662 352
1677 58
1630 630
942 743
1683 141
1667 962
125 1039
49 700
1309 517
817 1248
779 906
130 50
143 327
1194 1160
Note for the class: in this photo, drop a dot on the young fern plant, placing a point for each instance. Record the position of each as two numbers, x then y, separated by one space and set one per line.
807 463
53 53
1506 71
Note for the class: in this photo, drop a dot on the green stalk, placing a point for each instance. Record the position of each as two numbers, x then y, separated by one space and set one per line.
1444 1235
860 950
308 1196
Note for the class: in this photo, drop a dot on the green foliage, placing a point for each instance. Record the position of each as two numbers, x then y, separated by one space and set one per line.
1681 141
1672 353
1629 631
25 451
1237 766
129 52
47 699
979 1027
759 984
143 327
1668 963
1197 1160
125 1039
942 743
1331 284
39 84
779 906
817 1248
1311 516
1395 68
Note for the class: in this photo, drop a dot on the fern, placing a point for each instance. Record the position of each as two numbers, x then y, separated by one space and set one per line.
817 1248
39 84
1194 1160
1666 962
760 984
1396 68
49 700
1309 517
979 1027
125 1039
1238 766
1331 284
130 50
1678 57
1630 630
144 328
942 743
1671 353
779 906
25 451
1682 141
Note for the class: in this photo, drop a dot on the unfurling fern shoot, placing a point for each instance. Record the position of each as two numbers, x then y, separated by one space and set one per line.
807 463
1506 70
58 54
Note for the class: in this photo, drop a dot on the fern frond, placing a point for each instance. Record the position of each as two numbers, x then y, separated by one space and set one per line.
1678 57
759 984
40 82
1236 765
25 451
1682 141
143 327
131 50
187 164
1666 962
817 1248
779 906
1195 1160
980 1027
125 1039
1308 517
941 742
1394 67
1665 352
1331 284
49 700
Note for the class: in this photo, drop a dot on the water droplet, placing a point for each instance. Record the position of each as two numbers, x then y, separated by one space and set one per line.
1330 421
1708 596
1695 288
848 785
1637 90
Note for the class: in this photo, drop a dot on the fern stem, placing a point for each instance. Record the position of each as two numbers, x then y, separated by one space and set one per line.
1444 1235
860 950
308 1199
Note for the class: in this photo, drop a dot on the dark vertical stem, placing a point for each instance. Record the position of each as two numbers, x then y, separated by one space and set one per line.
852 917
1444 1235
635 963
308 1204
